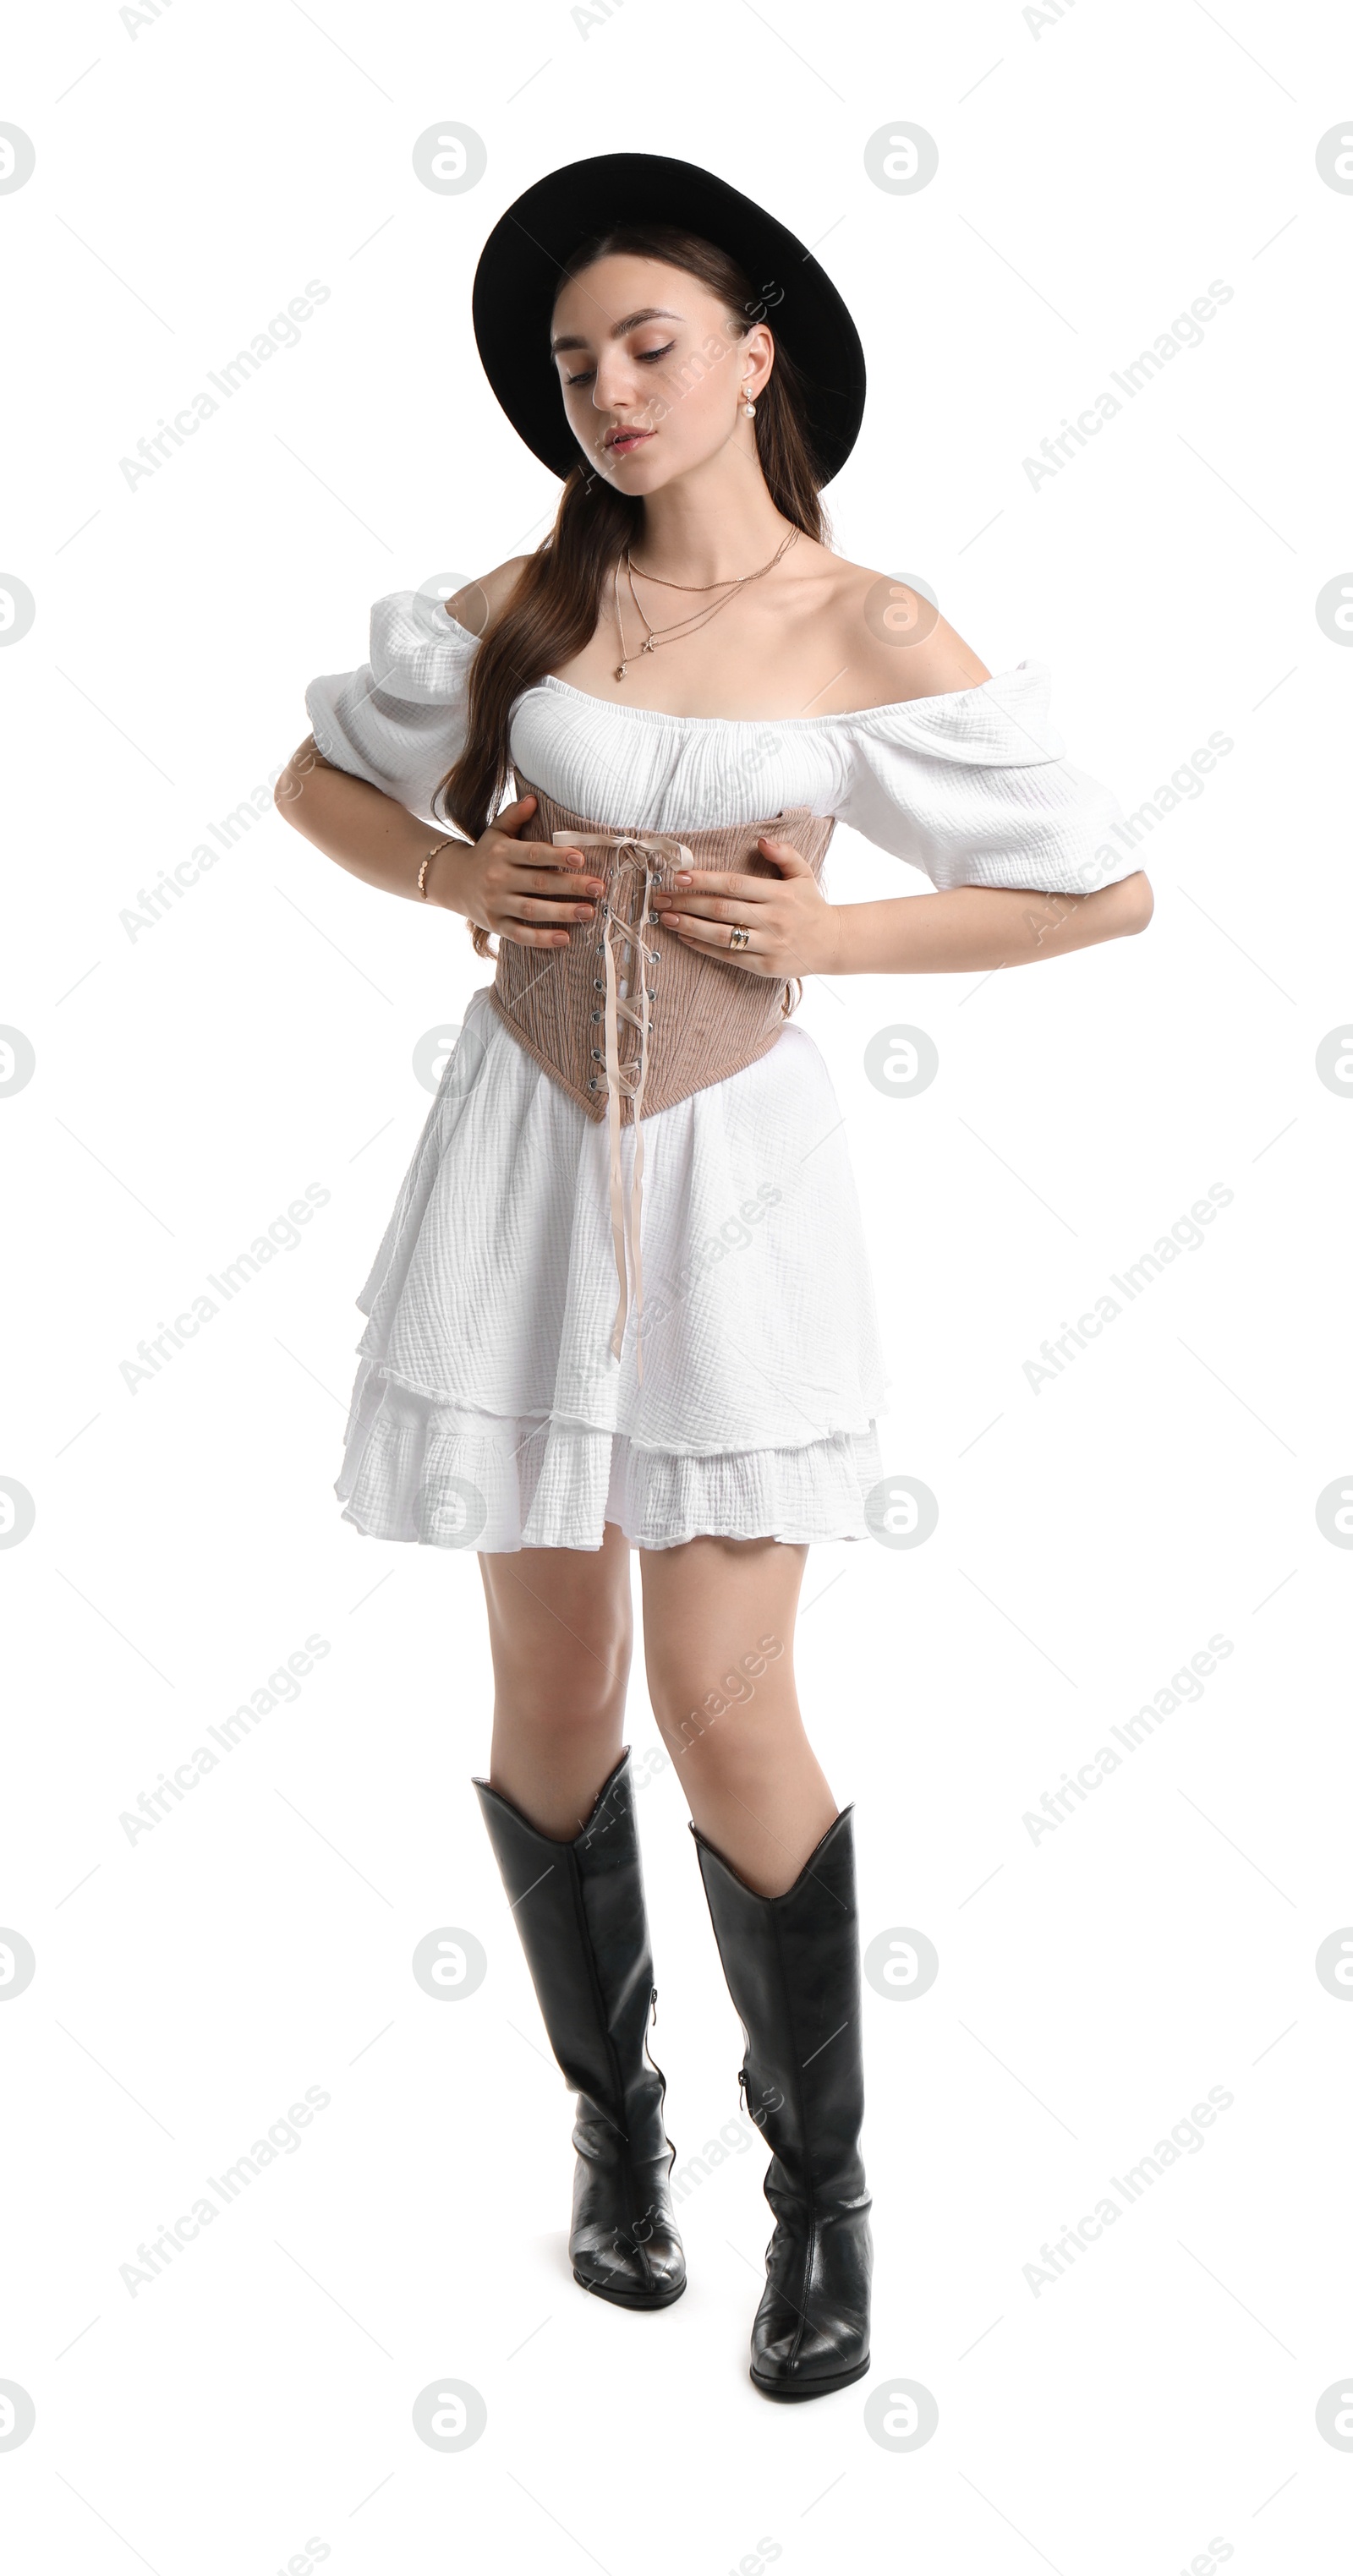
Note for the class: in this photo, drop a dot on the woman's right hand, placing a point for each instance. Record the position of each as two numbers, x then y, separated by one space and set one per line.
494 884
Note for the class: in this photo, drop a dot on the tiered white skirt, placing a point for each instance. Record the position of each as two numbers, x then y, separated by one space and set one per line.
489 1411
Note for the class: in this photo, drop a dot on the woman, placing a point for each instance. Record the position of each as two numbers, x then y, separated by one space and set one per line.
683 686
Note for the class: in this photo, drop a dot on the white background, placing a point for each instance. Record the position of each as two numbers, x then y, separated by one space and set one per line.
1096 173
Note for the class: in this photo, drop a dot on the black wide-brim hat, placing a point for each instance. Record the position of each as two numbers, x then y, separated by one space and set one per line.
524 259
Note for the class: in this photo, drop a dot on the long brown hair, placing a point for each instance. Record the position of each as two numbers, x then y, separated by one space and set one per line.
551 612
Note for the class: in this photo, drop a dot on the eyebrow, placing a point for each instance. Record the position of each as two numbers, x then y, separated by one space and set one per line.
647 313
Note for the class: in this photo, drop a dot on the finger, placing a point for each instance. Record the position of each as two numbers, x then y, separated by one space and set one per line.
547 856
539 859
534 880
707 933
786 857
712 907
712 940
523 907
520 935
719 881
513 816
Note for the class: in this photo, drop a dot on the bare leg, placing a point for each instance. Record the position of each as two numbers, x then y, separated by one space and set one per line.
718 1640
561 1628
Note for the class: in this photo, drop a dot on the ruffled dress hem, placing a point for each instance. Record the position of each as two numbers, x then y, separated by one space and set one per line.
442 1475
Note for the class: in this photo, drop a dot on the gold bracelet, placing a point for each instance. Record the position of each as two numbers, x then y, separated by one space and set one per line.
423 871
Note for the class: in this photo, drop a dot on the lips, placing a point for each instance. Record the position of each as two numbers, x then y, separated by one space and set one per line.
622 442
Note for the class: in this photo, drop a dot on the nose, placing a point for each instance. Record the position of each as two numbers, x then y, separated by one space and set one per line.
614 388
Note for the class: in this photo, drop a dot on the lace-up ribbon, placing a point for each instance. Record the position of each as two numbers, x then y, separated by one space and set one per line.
640 857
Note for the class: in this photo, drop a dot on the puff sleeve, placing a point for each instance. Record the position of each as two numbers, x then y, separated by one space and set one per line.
975 789
399 721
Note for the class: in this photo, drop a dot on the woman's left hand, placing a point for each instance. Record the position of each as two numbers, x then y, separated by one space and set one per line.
792 929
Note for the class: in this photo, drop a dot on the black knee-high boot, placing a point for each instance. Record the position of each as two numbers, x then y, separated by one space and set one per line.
793 1969
579 1909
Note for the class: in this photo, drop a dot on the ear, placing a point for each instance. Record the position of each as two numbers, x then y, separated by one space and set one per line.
756 355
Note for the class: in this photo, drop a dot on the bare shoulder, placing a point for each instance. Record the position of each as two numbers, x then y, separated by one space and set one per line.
481 600
893 642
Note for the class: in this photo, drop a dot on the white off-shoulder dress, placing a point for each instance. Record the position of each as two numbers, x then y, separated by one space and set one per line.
488 1409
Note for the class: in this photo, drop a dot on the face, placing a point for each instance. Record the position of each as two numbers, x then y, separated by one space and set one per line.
653 375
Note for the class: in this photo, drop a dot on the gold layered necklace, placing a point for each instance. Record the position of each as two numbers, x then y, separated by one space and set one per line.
697 617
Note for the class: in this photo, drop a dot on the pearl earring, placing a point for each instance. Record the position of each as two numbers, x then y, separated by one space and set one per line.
749 409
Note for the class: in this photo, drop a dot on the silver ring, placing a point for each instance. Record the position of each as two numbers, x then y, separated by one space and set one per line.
740 936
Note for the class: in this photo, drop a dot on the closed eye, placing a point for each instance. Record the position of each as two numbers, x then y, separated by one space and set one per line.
645 357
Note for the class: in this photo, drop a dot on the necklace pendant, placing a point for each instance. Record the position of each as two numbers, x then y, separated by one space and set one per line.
620 670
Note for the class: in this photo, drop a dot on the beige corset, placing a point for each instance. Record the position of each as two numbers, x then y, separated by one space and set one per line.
627 1022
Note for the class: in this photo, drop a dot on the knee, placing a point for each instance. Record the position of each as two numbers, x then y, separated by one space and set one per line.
678 1709
690 1692
695 1720
573 1691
